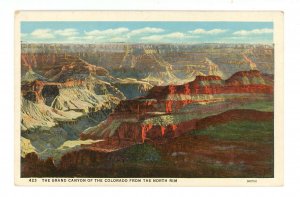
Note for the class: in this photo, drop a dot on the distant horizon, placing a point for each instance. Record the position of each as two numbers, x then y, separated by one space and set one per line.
147 32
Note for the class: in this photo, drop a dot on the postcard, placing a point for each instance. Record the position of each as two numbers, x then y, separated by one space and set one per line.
149 98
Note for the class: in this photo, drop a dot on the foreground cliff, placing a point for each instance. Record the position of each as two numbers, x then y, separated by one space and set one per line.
240 141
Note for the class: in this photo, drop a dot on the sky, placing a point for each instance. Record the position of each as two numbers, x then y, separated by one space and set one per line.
146 32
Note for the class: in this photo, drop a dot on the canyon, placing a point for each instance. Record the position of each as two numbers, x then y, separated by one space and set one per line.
114 110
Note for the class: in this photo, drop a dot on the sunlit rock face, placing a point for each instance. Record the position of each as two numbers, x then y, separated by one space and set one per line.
59 103
169 111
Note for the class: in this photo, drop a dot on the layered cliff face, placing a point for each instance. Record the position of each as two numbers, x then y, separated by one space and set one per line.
167 110
59 67
58 105
156 64
63 114
228 58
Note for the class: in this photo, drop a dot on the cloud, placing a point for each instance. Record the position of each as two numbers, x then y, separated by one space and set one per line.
66 32
50 34
211 32
146 30
253 32
42 34
107 32
175 35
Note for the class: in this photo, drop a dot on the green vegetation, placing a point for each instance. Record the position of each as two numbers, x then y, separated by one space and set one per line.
260 131
260 105
175 118
142 153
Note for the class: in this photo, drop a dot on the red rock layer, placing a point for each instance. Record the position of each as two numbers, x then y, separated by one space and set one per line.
159 100
215 85
137 132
